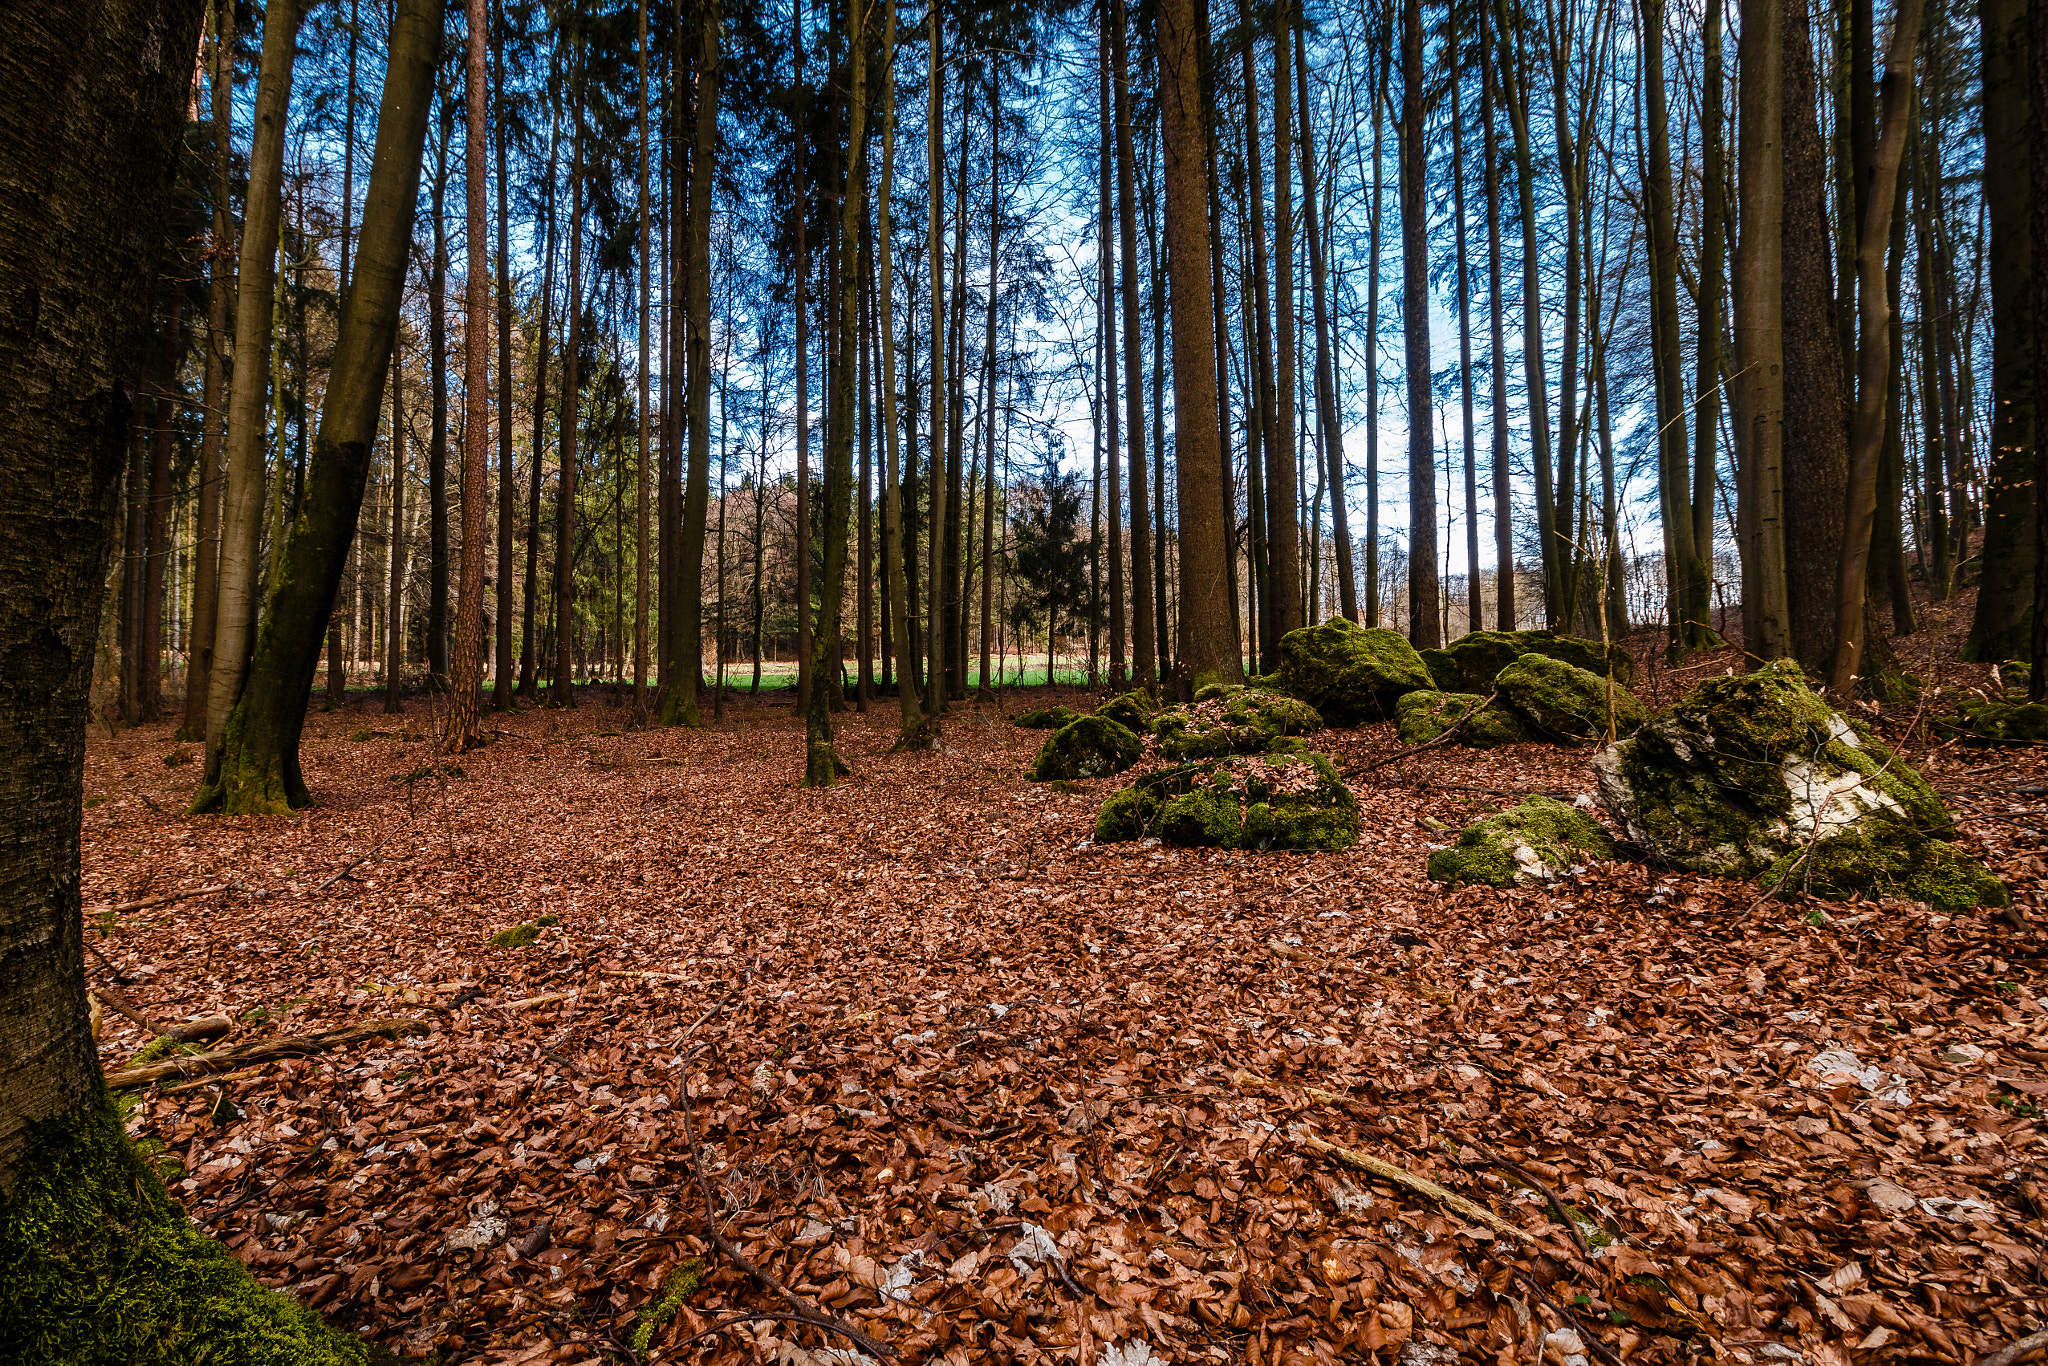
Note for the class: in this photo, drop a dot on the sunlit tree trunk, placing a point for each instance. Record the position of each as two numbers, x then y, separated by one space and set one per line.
219 347
1144 646
1425 627
1759 390
1327 406
466 682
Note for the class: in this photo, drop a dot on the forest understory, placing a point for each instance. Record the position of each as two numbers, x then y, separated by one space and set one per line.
989 1092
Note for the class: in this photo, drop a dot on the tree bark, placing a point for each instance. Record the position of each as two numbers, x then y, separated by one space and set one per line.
508 484
465 693
641 511
219 293
1759 393
1327 406
394 617
1707 385
156 546
1684 617
563 691
256 283
437 431
937 530
259 770
1425 628
1144 647
1502 470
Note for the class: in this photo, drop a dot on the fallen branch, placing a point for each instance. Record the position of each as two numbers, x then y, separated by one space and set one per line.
1450 734
547 1000
359 860
2026 1349
262 1050
801 1309
124 1007
123 908
1421 1185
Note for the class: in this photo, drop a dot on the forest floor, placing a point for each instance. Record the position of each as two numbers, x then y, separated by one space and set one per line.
994 1093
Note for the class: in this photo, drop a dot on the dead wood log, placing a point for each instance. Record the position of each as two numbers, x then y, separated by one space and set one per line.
262 1050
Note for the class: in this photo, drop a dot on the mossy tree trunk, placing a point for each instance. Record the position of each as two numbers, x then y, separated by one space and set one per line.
259 756
90 113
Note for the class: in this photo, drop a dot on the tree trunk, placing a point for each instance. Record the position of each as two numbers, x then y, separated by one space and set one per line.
529 600
1267 401
394 617
156 545
337 668
437 431
508 485
256 283
219 293
1514 87
1502 470
895 601
465 694
1759 393
1424 626
995 257
2037 214
822 764
2000 629
1144 648
1283 494
1707 386
1327 406
937 531
259 772
1473 619
1684 617
641 511
801 130
563 691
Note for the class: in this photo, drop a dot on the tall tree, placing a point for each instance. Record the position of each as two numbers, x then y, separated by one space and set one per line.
1497 421
259 765
466 683
1758 394
1425 626
508 483
1327 406
437 391
937 529
1283 494
563 692
645 368
219 294
1684 617
1707 383
248 399
1144 649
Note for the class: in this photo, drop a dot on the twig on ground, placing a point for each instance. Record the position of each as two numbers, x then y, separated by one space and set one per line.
2026 1349
1556 1206
1586 1336
1450 734
123 908
356 862
262 1050
123 1006
288 1174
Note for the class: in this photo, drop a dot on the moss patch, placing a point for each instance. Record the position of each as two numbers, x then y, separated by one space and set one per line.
1133 710
1280 801
1566 702
1471 662
1883 856
1348 672
1744 768
1046 718
1424 716
682 1283
1086 747
2000 722
1231 720
97 1264
517 937
1531 843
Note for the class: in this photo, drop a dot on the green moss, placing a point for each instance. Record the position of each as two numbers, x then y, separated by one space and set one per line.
1046 718
682 1283
1133 710
159 1048
99 1265
517 937
1232 721
1565 702
2000 722
546 920
1294 800
1737 774
1348 672
1424 716
2015 674
1527 844
1086 747
1883 856
1471 662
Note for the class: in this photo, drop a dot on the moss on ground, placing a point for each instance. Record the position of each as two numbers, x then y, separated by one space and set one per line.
1744 768
1530 843
99 1265
1133 710
1086 747
1886 857
1566 702
1232 720
1276 801
516 937
1349 673
1424 716
2000 722
1046 718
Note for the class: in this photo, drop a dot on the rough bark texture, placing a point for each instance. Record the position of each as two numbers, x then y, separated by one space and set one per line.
1283 512
90 110
1145 654
2000 630
220 293
466 682
1759 393
1425 628
259 761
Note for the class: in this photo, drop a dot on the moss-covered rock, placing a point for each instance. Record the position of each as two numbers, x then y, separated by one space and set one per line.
1565 702
1534 842
1274 801
1999 722
1884 856
1746 768
98 1264
1471 662
2015 674
1133 710
1423 716
1232 720
1046 718
1349 673
1086 747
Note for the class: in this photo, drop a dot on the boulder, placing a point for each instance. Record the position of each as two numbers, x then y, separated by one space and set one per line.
1424 716
1535 842
1086 747
1260 801
1882 855
1232 720
1047 718
1349 673
1748 771
1565 702
1999 722
1133 710
1471 662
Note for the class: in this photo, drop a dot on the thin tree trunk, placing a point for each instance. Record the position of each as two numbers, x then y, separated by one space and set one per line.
895 602
220 290
529 619
641 512
1144 648
679 696
1424 626
394 616
936 532
1707 386
465 695
337 671
256 283
1514 89
1259 462
156 544
1759 391
1473 618
563 691
259 771
988 479
1684 617
1502 471
508 484
1283 526
801 131
437 434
